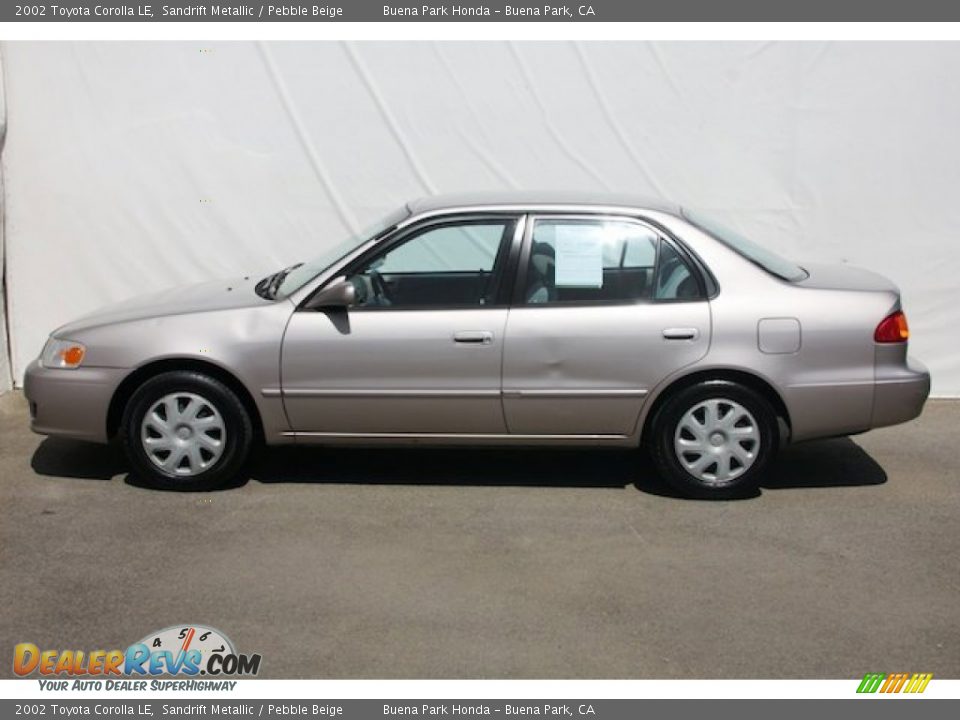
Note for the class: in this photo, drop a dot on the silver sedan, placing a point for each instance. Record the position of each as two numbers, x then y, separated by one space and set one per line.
496 319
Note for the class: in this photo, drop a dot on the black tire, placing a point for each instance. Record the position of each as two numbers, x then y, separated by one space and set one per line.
671 466
237 431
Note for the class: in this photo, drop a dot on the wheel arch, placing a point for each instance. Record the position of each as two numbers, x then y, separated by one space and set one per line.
743 377
135 379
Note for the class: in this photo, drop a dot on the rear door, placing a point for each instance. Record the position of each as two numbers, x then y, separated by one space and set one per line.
604 309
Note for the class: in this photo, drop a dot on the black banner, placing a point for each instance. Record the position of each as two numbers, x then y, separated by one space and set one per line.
853 709
480 11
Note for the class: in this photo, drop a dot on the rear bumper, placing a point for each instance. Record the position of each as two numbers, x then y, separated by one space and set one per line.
70 403
899 393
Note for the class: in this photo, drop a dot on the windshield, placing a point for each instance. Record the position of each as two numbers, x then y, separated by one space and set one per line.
300 275
769 261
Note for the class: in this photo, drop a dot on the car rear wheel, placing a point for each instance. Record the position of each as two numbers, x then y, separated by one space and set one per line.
714 439
186 431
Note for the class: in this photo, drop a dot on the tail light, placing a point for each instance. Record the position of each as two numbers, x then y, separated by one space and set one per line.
892 329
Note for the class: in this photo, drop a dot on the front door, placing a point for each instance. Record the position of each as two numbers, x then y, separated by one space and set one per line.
605 310
421 351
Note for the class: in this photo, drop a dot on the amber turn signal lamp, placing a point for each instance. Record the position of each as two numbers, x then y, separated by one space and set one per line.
72 356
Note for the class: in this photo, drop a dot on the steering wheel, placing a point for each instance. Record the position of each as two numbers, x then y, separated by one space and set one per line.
379 288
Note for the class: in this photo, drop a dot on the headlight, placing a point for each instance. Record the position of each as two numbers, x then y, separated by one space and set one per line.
65 354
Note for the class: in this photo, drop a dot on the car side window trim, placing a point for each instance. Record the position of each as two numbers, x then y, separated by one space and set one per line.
510 278
706 281
518 299
501 273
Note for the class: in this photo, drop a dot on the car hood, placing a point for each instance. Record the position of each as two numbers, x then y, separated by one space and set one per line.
203 297
845 277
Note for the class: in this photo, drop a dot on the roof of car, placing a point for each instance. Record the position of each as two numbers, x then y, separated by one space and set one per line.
531 199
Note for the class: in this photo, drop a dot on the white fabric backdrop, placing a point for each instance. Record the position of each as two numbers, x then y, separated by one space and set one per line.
5 377
133 167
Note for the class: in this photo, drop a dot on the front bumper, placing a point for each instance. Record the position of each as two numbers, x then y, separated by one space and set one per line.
899 393
71 403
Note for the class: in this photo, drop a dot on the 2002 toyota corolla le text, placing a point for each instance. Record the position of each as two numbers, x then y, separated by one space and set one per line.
519 319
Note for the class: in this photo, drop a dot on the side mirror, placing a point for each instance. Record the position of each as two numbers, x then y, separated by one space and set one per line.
338 294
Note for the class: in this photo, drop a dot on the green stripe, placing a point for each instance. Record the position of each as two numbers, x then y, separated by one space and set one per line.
871 682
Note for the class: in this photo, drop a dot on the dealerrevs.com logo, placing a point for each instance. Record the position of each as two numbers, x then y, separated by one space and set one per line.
179 650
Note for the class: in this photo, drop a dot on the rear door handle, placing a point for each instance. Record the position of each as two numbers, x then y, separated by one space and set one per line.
681 333
475 337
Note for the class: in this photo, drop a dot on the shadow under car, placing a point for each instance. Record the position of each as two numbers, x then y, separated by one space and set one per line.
838 462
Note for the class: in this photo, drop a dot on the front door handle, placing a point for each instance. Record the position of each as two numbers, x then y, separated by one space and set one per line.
681 333
475 337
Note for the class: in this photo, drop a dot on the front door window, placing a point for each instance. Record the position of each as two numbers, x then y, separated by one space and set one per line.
456 265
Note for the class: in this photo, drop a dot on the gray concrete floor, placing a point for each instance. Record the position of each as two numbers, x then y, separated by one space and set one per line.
452 563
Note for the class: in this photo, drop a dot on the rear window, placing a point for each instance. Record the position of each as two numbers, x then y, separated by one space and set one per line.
758 255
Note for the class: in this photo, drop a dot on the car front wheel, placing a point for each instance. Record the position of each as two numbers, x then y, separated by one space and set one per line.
185 430
715 439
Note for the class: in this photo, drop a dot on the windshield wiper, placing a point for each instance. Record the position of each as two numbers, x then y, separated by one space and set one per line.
261 287
272 284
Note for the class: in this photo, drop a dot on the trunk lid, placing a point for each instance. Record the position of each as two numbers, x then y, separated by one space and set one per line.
845 277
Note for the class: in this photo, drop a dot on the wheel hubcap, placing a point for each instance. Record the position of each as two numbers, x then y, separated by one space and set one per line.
717 441
183 434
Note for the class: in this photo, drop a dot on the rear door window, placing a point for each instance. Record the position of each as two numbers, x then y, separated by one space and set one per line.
575 260
602 260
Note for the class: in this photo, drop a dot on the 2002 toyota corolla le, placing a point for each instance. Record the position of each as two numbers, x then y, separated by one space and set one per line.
530 320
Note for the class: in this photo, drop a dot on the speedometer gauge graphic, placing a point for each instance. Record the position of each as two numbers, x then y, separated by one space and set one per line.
183 638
